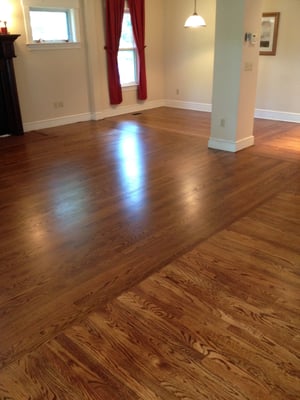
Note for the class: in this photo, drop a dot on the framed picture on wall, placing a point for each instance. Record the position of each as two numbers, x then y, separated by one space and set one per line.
269 33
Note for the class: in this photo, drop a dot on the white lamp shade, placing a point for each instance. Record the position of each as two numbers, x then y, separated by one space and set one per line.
5 10
194 21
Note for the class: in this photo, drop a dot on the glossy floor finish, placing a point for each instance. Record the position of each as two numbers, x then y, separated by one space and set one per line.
90 210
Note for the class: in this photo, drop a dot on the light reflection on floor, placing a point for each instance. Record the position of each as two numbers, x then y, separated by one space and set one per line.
132 168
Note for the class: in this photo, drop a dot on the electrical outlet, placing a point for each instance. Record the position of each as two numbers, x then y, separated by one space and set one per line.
222 122
177 92
248 66
58 104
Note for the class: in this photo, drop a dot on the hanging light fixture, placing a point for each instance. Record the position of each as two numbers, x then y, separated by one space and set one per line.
195 20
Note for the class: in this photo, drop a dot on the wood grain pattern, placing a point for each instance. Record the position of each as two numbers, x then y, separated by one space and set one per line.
90 210
220 322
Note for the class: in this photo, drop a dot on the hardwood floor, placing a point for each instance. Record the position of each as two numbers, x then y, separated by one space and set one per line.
138 264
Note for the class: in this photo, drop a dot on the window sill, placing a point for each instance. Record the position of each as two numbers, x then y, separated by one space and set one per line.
131 86
53 46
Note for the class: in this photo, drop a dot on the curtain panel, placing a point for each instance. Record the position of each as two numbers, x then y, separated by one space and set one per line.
114 17
137 13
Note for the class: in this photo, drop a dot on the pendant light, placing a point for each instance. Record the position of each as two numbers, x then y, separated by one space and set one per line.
195 20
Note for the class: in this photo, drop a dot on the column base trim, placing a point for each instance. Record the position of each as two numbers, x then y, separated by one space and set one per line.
230 145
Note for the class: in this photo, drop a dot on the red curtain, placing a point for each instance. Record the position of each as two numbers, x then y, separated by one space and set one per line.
114 17
137 13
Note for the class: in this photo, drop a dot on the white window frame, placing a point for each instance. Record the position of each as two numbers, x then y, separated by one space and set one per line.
134 49
71 7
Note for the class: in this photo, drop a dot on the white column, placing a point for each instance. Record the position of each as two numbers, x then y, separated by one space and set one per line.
235 74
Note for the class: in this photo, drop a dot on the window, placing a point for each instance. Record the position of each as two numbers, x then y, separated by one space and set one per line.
127 55
42 22
135 56
51 22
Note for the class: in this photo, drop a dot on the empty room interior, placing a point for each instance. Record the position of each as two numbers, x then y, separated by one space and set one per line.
150 200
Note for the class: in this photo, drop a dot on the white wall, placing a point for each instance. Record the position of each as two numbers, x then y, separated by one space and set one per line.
189 53
45 77
189 60
77 77
177 59
94 19
279 76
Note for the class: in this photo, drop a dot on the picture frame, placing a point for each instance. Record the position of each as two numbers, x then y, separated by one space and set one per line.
269 33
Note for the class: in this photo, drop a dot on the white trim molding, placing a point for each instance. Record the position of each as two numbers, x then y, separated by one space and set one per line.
259 113
51 123
120 109
71 7
230 145
188 105
138 107
277 115
93 116
53 46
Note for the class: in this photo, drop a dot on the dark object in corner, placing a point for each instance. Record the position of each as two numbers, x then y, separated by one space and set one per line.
10 114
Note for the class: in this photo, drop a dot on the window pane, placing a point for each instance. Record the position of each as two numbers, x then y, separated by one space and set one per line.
49 25
127 39
126 62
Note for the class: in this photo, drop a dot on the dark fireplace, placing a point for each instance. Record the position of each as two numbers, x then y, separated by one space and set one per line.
10 115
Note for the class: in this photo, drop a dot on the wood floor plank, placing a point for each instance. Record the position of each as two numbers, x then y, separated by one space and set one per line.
200 328
91 212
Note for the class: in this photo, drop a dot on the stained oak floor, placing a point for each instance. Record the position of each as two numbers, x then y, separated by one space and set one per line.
136 263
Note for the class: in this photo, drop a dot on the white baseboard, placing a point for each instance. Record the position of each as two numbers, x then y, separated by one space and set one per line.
188 105
259 113
277 115
109 112
230 145
120 110
50 123
95 116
